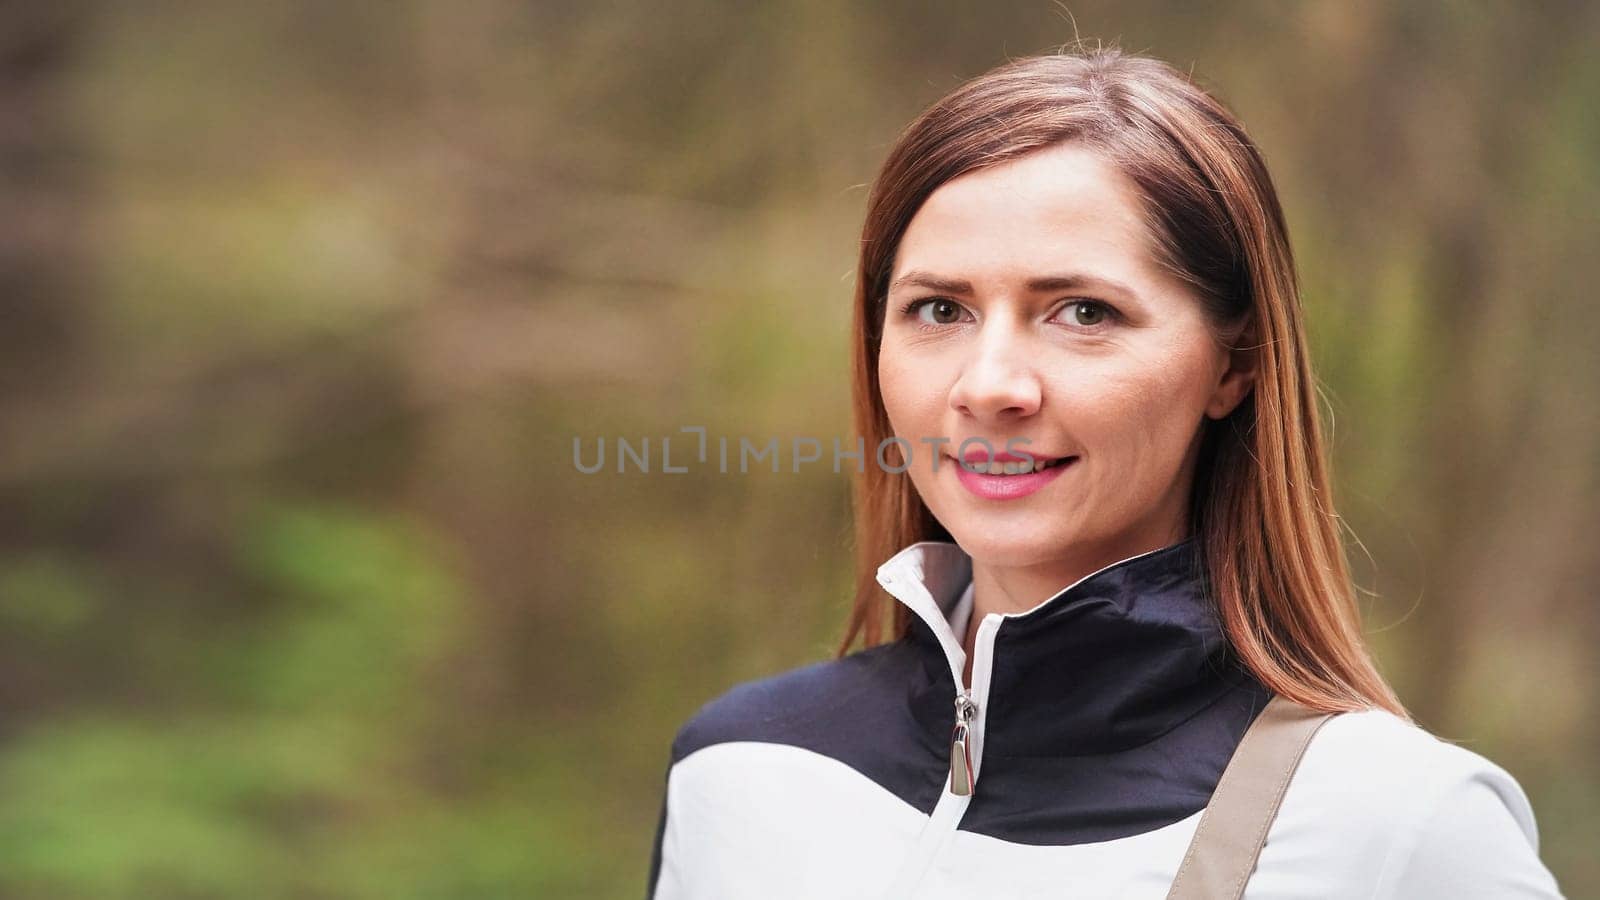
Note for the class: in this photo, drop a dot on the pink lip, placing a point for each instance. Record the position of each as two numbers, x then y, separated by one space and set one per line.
1009 487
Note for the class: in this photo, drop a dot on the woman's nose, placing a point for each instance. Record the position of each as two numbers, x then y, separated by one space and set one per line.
997 381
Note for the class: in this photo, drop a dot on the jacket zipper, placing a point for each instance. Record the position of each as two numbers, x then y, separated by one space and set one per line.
966 739
960 746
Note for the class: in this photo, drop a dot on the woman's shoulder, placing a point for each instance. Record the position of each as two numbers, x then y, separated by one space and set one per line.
820 703
1376 752
1428 811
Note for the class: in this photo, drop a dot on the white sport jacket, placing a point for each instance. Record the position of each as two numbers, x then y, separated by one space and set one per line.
1075 765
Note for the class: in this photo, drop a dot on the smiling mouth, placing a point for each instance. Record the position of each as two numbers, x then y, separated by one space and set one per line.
1025 467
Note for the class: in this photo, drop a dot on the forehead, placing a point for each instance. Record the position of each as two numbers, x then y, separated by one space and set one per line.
1064 207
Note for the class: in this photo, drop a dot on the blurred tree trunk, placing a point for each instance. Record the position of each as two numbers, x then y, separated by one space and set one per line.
44 254
42 242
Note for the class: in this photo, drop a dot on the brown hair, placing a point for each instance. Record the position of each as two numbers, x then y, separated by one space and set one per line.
1261 504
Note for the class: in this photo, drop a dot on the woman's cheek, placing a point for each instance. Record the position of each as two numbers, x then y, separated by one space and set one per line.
890 387
909 402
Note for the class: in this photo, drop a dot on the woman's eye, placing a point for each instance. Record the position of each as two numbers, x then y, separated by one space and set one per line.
1088 313
937 312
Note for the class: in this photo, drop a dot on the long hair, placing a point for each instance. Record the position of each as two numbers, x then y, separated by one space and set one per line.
1262 505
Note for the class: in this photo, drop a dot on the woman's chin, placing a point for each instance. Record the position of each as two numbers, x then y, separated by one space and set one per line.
1010 545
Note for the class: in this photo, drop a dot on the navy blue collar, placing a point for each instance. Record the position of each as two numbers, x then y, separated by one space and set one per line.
1113 661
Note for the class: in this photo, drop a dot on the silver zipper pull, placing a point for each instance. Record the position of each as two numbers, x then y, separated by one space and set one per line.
960 750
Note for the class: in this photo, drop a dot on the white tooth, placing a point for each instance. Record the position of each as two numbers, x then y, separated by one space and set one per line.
1011 468
1025 467
980 466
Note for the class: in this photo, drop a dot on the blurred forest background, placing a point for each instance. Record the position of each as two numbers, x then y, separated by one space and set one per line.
303 304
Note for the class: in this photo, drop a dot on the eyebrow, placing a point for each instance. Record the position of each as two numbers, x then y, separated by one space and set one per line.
1040 284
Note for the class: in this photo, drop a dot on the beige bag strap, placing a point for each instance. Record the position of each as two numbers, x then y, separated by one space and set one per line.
1234 824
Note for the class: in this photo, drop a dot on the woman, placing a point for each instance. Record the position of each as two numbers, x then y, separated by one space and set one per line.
1106 525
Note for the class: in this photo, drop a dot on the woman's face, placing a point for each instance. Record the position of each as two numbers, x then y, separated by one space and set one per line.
1026 303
